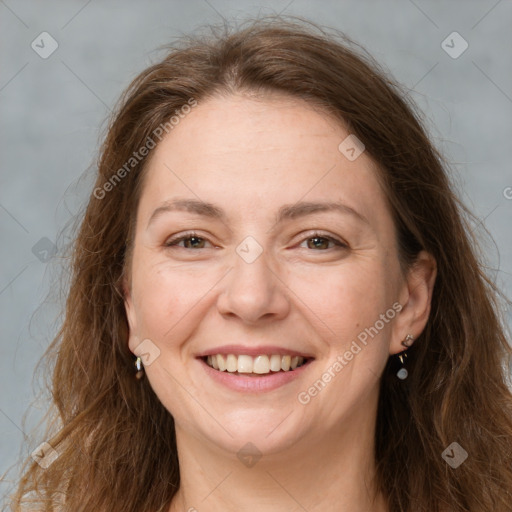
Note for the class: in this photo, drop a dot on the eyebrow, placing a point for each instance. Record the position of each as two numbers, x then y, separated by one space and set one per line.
286 212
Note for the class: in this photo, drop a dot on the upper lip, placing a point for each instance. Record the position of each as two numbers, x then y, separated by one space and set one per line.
253 351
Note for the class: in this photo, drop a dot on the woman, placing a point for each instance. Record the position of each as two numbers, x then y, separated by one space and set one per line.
276 303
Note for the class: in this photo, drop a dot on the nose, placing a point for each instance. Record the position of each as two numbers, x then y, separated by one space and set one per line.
254 291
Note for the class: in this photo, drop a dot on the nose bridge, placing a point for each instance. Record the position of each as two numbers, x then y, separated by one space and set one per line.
253 289
252 265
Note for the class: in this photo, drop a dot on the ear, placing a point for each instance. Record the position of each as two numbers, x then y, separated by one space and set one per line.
415 298
129 306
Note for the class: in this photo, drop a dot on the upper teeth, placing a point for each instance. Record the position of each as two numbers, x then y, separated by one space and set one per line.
259 364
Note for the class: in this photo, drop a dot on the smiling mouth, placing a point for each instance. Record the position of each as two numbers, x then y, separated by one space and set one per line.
255 366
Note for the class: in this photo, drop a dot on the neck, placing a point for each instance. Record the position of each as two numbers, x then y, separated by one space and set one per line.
332 471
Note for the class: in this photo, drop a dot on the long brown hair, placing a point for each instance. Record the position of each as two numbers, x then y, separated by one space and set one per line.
116 441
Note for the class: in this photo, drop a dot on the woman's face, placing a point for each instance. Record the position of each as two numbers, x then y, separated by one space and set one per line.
259 241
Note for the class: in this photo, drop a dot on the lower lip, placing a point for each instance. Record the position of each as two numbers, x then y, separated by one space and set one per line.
254 384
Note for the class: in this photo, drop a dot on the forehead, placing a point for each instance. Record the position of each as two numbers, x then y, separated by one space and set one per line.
253 153
253 124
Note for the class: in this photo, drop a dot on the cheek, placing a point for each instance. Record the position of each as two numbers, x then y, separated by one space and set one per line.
342 302
169 298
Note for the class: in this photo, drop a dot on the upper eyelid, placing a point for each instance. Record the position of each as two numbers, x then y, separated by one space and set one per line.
184 236
312 234
340 242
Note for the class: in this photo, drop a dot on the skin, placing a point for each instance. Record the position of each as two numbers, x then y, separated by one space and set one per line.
250 156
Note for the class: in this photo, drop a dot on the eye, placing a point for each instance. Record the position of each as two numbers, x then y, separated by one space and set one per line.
320 241
190 240
317 241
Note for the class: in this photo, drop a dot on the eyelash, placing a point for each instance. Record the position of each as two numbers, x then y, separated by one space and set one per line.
192 234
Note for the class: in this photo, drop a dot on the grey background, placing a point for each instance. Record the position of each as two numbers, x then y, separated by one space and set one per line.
53 112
